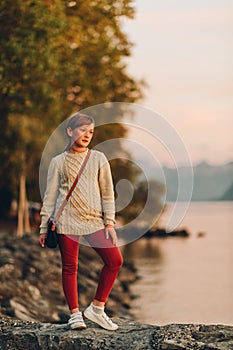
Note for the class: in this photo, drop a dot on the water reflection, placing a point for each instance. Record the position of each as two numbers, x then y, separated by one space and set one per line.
186 280
143 248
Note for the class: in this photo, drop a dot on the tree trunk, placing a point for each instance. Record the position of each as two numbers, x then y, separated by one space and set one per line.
21 205
23 213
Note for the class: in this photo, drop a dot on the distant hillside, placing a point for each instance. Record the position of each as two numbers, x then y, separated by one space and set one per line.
228 195
210 182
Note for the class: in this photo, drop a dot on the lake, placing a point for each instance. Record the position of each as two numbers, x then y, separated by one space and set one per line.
187 280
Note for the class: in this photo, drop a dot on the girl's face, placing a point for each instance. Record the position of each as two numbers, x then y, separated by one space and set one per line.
82 135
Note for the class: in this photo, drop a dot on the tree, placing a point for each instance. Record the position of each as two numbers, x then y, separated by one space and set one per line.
98 48
27 90
56 57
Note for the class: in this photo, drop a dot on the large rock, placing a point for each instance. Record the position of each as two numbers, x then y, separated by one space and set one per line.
26 335
163 233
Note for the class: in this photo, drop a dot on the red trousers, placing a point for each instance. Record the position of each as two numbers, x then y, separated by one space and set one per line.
111 256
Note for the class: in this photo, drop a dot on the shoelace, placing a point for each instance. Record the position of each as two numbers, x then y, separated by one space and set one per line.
76 317
105 316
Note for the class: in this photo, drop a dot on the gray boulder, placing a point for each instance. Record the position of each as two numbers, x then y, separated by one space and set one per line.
22 335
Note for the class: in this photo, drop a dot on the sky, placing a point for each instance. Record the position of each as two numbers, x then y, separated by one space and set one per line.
184 51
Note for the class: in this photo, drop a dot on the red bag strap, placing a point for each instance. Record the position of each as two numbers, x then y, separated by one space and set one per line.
72 187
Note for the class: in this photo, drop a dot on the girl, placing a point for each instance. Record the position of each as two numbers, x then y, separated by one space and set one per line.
89 213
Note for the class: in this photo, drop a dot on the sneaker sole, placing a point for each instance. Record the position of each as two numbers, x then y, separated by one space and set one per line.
89 317
78 327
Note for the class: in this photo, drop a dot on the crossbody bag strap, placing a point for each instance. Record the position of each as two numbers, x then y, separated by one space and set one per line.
72 187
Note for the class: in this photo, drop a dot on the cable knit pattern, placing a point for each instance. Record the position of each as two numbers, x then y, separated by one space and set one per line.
91 205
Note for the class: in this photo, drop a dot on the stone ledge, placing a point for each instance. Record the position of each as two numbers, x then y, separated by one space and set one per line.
25 335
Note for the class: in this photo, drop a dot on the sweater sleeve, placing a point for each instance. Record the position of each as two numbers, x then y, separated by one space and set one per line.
107 191
50 196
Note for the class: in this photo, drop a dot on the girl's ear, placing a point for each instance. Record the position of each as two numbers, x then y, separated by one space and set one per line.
69 132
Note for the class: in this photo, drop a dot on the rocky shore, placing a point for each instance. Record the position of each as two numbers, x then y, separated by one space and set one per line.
17 335
33 311
163 233
31 287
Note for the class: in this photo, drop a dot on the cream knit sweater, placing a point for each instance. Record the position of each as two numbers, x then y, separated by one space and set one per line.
91 205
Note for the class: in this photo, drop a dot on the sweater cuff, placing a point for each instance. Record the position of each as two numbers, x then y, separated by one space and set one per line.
43 231
109 222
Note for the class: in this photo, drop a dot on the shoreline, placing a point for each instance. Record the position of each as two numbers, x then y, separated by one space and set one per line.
31 286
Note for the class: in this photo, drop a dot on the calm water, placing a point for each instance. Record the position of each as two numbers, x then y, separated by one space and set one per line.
187 280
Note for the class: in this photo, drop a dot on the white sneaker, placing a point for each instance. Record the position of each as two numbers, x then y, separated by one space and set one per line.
76 321
101 318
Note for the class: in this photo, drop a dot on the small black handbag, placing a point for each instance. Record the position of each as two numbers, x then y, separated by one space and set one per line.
52 239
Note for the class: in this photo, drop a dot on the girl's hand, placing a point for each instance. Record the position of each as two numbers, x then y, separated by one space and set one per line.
42 239
110 232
